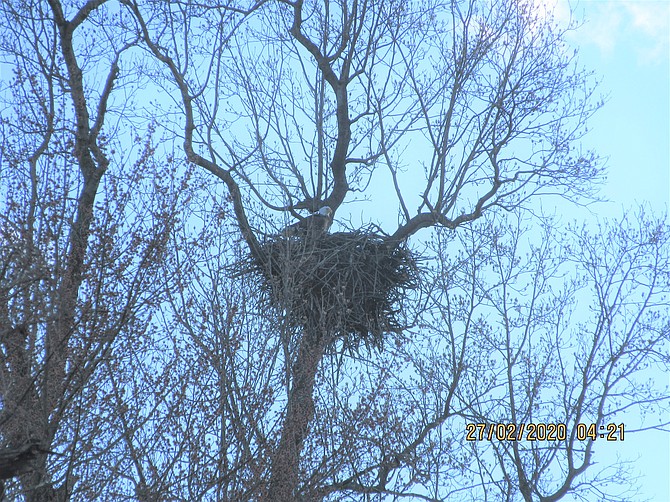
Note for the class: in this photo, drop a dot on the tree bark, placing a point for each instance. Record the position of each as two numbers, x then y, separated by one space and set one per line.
299 413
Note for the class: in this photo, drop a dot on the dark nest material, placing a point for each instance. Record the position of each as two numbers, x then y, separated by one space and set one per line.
348 285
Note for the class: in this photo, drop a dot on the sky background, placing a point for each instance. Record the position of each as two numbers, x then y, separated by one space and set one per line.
627 44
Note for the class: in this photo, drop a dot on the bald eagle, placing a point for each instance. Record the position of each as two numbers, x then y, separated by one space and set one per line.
315 224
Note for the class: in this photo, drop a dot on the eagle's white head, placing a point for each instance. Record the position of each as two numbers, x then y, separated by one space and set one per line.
325 211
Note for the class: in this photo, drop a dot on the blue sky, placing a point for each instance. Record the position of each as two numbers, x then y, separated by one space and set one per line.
627 44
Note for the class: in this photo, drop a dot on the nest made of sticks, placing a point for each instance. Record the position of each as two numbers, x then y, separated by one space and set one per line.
349 285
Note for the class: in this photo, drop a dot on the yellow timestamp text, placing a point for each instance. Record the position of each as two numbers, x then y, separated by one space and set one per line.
542 432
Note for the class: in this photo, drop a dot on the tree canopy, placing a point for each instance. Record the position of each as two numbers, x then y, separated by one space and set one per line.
157 340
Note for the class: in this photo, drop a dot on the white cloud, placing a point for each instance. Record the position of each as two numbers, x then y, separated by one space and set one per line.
603 29
643 25
652 20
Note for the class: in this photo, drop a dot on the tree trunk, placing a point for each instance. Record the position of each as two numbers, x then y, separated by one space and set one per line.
299 413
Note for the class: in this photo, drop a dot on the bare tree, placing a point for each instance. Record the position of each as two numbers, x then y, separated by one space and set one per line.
548 327
78 242
139 317
504 339
296 105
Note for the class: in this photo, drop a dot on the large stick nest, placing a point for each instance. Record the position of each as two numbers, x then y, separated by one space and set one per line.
348 285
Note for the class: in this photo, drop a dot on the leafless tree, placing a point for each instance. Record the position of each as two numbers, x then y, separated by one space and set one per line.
544 326
503 338
135 318
294 105
80 235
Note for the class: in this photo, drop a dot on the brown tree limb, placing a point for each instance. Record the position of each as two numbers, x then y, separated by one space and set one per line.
299 413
